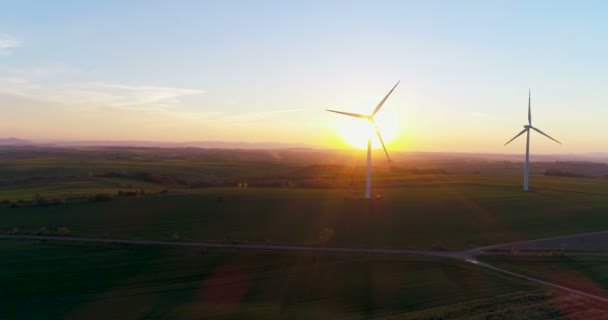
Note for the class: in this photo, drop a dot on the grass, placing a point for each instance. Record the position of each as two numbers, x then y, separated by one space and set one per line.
586 273
458 211
85 163
74 188
52 281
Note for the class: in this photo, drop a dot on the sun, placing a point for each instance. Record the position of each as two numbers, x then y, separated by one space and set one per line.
355 132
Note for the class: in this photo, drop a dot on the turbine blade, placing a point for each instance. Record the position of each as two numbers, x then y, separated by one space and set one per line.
529 109
381 142
356 115
383 100
519 134
546 135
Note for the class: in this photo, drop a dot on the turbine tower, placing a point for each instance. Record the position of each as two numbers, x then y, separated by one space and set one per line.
370 118
526 130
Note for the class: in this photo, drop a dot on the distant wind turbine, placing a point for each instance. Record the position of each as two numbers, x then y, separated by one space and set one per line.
370 118
527 131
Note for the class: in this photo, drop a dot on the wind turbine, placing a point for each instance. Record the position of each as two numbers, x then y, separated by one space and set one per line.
370 118
526 130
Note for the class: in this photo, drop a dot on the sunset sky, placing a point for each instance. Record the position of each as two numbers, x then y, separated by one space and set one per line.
264 71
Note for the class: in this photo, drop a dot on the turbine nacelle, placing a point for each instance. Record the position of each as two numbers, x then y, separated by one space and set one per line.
527 129
370 118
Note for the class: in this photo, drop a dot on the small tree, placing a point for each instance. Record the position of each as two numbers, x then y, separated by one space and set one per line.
42 231
325 235
42 201
175 236
438 246
101 197
64 231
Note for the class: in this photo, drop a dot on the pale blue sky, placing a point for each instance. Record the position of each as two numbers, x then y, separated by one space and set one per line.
265 70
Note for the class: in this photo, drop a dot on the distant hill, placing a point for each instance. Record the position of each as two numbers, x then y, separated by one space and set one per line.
463 156
190 144
312 152
15 142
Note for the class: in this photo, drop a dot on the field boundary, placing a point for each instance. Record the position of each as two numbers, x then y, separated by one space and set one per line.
253 247
465 256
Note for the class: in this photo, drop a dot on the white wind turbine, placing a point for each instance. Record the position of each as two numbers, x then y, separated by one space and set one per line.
370 118
527 131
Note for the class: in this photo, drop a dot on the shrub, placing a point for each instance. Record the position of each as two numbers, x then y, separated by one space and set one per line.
158 178
101 197
127 193
203 183
557 172
514 251
315 183
15 230
175 236
438 246
42 201
325 235
428 171
265 183
64 231
42 231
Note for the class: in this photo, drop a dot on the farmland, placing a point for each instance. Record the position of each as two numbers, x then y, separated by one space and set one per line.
457 213
588 273
74 281
289 198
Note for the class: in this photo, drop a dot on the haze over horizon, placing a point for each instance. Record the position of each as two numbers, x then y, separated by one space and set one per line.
265 72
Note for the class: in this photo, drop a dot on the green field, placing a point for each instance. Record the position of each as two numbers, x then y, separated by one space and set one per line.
586 273
51 281
457 211
190 195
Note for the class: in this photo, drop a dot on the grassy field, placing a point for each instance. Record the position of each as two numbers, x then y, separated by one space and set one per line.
586 273
308 204
52 281
75 188
456 211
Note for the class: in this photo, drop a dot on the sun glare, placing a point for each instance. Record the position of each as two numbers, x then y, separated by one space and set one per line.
355 132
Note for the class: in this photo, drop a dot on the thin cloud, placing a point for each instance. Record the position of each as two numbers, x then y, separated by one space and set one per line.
93 95
36 73
20 88
7 43
125 96
261 115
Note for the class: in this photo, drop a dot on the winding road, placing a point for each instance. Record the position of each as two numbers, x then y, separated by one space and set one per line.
467 256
